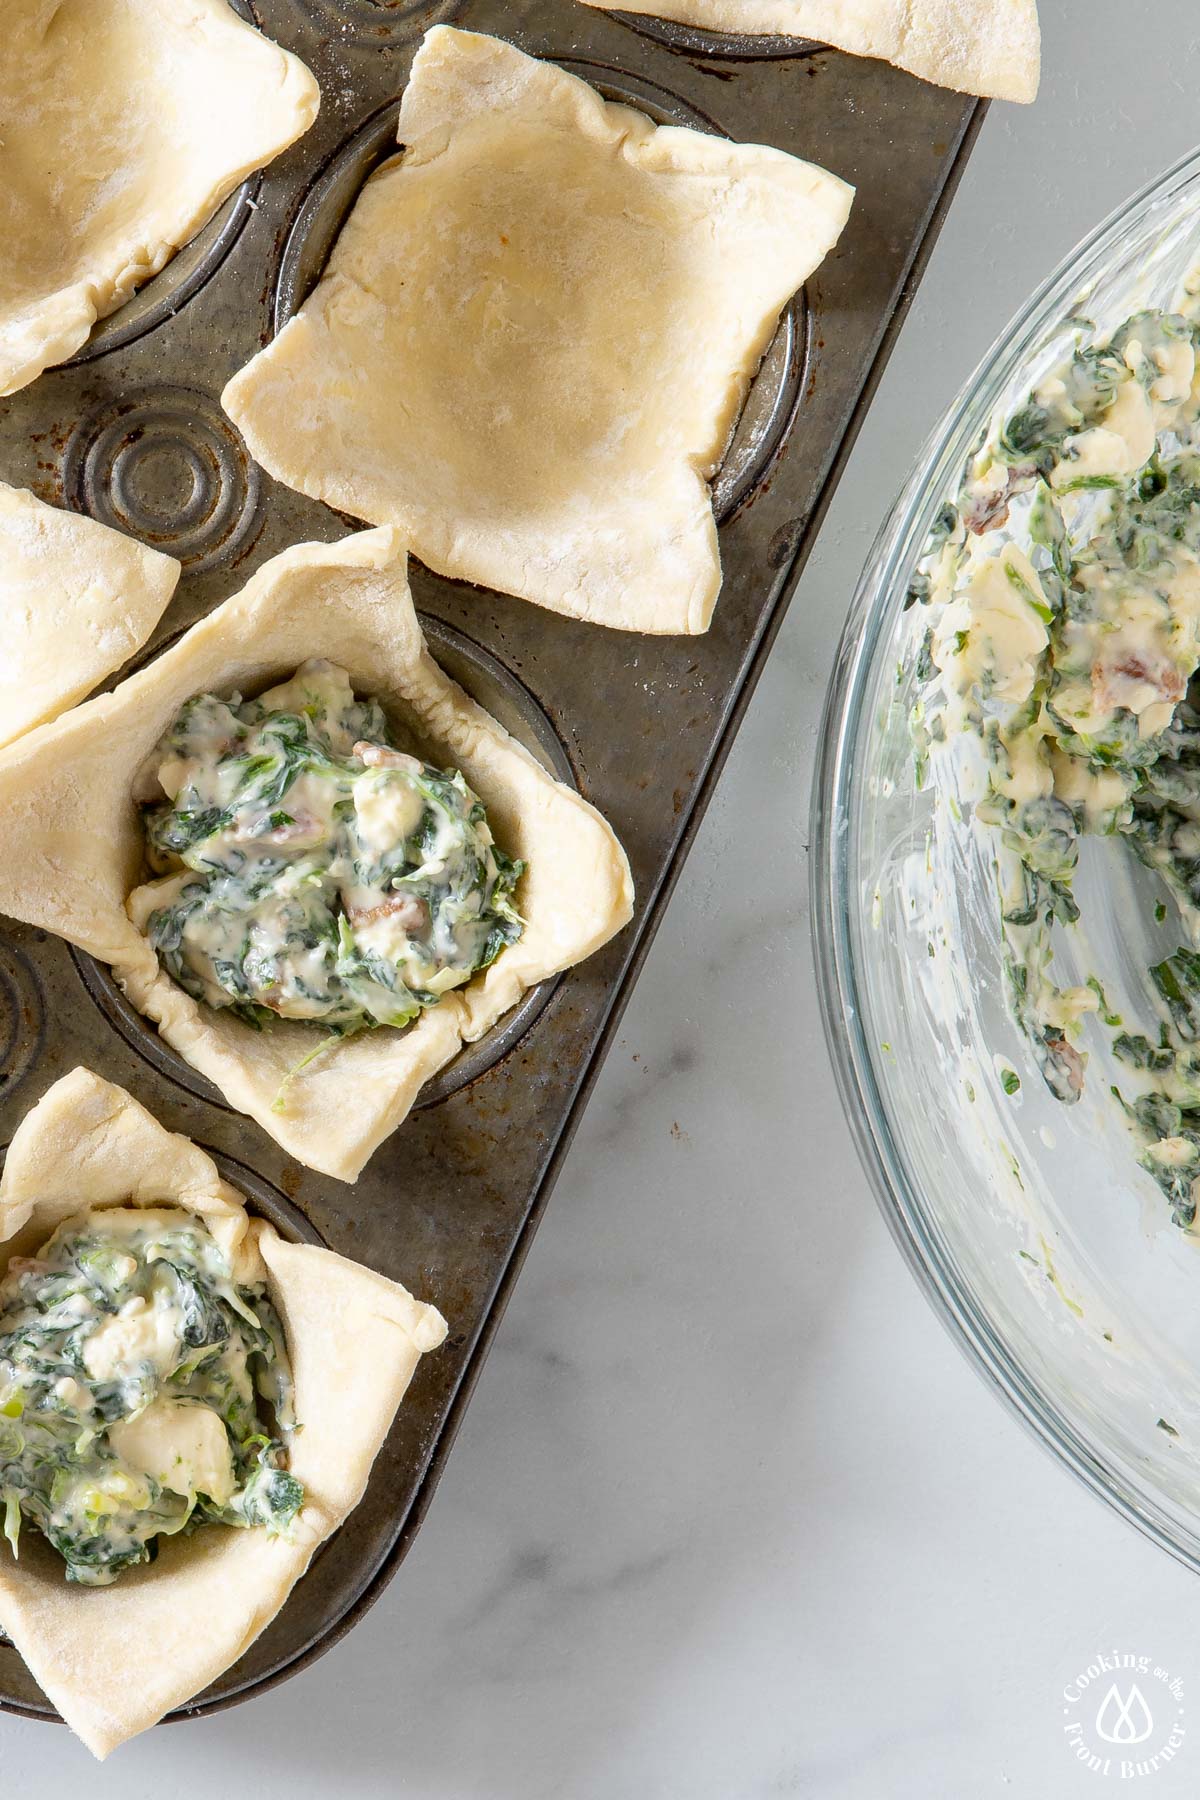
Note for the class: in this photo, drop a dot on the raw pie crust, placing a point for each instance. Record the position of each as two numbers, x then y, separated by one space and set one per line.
73 847
124 124
535 334
989 47
114 1660
76 599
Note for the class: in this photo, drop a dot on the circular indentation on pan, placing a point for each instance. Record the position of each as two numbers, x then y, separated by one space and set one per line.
165 465
500 693
326 207
379 22
766 416
265 1199
625 88
137 1031
775 390
166 293
510 702
733 46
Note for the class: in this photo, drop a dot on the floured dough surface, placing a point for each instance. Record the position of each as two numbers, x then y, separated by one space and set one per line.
535 333
72 848
115 1659
990 47
123 126
76 600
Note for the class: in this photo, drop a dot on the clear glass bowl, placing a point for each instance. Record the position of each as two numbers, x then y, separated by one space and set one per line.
1048 1254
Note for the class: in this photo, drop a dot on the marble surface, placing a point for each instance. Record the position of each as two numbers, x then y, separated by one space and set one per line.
730 1517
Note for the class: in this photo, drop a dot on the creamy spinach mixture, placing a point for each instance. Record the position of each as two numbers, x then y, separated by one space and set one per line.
312 870
142 1393
1063 590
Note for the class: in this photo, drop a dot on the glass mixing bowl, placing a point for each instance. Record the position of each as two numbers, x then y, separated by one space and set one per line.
1044 1248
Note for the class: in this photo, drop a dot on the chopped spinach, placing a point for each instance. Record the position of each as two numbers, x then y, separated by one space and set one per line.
142 1393
314 872
1069 649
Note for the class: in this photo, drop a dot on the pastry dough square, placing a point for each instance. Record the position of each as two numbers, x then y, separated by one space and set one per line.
73 849
126 123
76 600
991 47
114 1659
535 334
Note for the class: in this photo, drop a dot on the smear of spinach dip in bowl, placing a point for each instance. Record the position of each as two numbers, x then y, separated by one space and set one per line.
142 1392
310 869
1063 586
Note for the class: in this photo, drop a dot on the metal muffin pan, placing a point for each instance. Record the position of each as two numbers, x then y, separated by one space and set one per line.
132 431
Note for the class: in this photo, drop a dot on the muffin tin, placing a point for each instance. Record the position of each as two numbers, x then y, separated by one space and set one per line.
131 431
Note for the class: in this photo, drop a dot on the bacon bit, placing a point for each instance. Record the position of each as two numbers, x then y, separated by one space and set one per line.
409 912
1072 1061
26 1265
988 513
146 785
1159 673
302 826
979 518
258 829
377 756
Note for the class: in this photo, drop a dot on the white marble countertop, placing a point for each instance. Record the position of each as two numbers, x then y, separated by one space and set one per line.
730 1516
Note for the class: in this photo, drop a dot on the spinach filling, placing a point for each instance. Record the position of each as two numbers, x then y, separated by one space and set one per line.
1064 590
313 871
142 1392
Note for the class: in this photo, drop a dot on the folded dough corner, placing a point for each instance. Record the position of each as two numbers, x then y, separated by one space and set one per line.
535 334
114 1660
73 849
989 47
77 600
110 162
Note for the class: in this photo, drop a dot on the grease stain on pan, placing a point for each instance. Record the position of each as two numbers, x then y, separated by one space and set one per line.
22 1016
